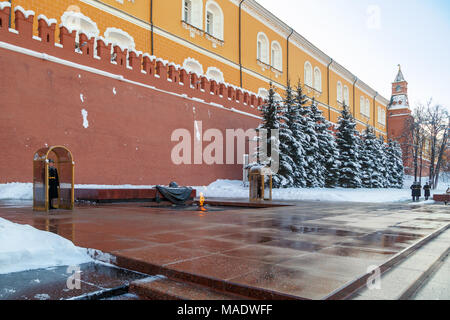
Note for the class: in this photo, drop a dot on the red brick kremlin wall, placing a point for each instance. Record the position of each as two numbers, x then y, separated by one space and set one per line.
132 111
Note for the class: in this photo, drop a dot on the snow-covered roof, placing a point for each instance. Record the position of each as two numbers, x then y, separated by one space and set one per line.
399 101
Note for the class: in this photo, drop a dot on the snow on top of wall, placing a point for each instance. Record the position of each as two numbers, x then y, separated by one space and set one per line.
72 20
5 4
192 65
26 13
215 74
23 247
148 55
49 21
172 64
137 52
120 38
164 62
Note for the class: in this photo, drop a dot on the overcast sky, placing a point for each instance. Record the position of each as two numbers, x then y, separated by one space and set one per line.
371 37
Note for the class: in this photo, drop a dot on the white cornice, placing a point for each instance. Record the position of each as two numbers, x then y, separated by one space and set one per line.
277 25
265 17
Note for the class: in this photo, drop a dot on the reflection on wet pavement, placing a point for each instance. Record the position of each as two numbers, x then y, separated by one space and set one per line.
51 283
307 250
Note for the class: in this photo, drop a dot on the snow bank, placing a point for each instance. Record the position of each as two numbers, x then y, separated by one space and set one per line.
16 191
235 189
23 247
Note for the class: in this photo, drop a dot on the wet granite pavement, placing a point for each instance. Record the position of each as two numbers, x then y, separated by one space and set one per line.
307 250
52 283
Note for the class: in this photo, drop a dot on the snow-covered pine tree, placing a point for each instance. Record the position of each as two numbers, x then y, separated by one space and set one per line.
399 168
270 120
311 146
371 175
295 145
394 165
347 141
328 151
382 162
391 165
286 174
273 119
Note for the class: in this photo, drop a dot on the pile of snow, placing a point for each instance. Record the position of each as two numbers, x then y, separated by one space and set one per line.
16 191
235 189
23 247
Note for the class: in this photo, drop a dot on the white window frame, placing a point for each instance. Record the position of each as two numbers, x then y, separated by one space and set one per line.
213 8
367 108
263 53
339 93
277 55
381 116
346 95
196 13
308 74
362 106
317 79
187 11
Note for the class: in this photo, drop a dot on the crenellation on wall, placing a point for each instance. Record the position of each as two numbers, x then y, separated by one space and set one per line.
5 12
134 65
24 21
46 30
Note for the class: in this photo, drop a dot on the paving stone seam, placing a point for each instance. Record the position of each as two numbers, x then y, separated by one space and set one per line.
351 288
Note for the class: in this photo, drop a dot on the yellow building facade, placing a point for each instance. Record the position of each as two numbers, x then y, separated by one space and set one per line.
234 41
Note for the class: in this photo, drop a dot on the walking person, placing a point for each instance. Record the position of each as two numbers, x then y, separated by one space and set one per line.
416 191
427 189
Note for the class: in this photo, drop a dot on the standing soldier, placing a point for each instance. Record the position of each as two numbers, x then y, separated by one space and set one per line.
416 191
427 189
53 183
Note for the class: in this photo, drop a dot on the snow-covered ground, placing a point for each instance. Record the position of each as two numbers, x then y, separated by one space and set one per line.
235 189
23 247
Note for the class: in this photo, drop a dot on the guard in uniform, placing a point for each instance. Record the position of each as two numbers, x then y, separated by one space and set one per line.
427 189
53 183
416 191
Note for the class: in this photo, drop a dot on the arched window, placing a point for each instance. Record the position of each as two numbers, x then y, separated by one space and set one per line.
215 74
277 56
381 116
317 79
214 19
120 37
367 108
81 23
192 65
362 106
263 48
346 96
339 92
192 12
308 74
